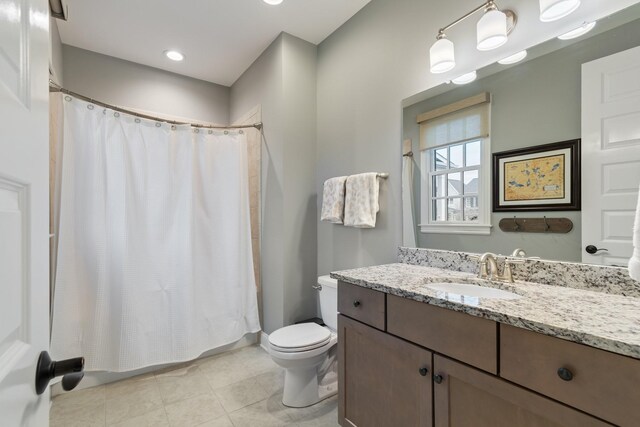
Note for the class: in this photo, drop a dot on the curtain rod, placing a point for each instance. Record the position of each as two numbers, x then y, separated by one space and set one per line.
54 87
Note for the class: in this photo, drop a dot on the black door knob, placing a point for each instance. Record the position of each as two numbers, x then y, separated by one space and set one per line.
356 303
591 249
565 374
423 371
438 379
71 370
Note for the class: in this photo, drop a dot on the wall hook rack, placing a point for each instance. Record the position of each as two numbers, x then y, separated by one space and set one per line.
536 225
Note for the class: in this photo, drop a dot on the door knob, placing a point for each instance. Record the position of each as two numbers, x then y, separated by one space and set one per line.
594 249
71 370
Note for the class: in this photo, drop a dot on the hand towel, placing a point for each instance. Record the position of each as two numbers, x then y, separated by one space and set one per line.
361 200
634 262
333 200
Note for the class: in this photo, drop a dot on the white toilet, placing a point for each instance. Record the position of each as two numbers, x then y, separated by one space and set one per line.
308 352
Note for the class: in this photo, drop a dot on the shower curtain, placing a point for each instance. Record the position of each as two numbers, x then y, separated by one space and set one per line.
154 260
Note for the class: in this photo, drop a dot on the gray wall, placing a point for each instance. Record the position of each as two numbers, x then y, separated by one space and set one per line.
137 86
536 102
365 69
283 81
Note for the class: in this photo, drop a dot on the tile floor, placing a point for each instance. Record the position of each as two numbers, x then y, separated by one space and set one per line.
235 389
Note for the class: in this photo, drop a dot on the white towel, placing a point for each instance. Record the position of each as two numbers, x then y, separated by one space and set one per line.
361 201
634 262
333 200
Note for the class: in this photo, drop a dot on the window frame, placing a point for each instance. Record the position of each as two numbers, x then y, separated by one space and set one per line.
483 225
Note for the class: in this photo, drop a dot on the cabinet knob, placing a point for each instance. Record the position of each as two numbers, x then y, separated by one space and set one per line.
438 379
356 303
423 371
565 374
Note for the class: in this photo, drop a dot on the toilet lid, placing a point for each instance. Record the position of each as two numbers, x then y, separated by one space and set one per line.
300 336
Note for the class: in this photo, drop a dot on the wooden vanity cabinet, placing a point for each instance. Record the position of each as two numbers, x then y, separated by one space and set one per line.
396 367
384 381
465 397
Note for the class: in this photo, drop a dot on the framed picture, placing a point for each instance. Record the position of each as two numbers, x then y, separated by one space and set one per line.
541 178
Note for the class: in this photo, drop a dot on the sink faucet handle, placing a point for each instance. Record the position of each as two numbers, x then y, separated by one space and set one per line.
507 272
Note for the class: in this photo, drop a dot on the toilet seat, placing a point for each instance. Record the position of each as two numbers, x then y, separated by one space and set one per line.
299 338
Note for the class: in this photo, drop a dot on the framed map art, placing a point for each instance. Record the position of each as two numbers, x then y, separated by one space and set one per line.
541 178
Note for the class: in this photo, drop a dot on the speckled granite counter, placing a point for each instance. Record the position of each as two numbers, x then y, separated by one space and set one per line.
606 321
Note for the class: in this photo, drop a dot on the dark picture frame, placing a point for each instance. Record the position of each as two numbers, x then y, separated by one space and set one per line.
539 178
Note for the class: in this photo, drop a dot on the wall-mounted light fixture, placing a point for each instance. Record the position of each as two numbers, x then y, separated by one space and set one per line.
492 32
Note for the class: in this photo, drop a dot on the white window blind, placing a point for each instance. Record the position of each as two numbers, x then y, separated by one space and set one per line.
464 125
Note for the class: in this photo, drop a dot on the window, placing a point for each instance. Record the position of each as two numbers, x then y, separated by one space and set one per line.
455 151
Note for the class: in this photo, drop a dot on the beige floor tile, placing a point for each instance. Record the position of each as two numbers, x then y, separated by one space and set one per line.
319 414
224 375
156 418
266 413
88 415
272 381
130 385
145 399
223 421
241 394
182 384
194 411
80 398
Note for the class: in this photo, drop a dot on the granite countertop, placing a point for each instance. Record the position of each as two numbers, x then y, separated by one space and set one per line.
606 321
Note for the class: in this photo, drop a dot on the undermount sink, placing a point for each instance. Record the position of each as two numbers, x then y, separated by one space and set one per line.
464 292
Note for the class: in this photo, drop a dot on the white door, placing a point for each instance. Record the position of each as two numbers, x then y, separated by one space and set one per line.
24 234
610 156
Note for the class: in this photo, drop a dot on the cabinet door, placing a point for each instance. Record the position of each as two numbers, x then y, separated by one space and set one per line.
464 397
383 380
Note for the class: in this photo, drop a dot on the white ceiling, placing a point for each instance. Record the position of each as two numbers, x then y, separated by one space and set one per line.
220 38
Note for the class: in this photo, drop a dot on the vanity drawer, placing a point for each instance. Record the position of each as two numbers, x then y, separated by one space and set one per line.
365 305
603 384
469 339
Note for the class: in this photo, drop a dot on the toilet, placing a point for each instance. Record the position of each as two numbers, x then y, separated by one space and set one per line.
308 352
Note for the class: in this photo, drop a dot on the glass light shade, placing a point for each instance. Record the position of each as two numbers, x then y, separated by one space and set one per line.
512 59
492 30
580 31
272 2
465 78
552 10
442 56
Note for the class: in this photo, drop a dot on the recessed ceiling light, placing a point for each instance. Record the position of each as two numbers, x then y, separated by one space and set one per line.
465 78
580 31
552 10
272 2
173 55
516 57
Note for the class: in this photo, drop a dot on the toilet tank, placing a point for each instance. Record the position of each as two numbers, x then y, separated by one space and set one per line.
329 301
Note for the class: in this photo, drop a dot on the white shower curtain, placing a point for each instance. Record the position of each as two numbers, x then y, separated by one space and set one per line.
154 253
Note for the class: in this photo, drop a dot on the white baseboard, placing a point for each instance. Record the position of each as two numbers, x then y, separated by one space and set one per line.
264 339
92 379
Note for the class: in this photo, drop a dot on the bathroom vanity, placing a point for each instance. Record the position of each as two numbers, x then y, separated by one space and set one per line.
413 355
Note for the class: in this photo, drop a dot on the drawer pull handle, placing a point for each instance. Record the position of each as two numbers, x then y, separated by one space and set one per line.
423 371
438 379
356 303
565 374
